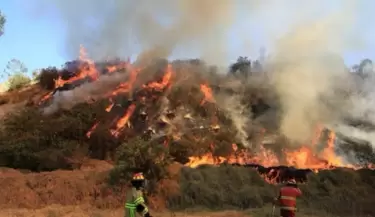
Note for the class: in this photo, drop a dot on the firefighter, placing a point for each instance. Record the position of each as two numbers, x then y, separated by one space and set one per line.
135 203
287 199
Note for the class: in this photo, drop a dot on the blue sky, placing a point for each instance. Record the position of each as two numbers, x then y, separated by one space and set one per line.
34 42
38 42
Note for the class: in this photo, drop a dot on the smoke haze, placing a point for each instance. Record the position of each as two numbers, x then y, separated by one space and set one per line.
306 69
304 44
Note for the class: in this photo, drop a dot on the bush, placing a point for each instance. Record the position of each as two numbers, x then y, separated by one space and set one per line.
222 187
338 192
33 141
138 155
47 78
341 192
18 81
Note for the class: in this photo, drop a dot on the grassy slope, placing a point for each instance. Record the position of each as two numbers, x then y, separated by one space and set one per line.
339 192
214 189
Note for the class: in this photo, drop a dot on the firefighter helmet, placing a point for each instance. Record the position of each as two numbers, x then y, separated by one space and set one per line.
138 177
291 182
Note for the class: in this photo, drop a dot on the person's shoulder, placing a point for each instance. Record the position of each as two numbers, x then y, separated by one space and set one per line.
138 192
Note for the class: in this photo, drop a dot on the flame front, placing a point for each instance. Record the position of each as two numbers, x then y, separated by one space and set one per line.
303 157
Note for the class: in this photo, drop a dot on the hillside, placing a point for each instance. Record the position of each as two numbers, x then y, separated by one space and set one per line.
205 140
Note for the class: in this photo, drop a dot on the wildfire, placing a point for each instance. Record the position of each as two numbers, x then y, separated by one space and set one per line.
123 120
86 69
126 86
88 134
121 66
164 82
306 156
207 92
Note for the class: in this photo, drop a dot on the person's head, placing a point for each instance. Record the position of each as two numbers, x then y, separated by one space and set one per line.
138 180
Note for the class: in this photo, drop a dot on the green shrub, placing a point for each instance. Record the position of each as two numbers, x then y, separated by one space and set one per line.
340 192
138 155
222 187
17 81
31 140
336 192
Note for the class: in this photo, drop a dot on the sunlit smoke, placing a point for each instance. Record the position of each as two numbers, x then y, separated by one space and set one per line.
239 116
306 70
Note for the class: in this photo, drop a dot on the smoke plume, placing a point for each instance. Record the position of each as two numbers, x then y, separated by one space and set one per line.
306 69
120 28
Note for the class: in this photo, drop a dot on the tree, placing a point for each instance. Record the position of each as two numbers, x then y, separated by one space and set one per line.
2 23
139 155
16 73
365 67
243 66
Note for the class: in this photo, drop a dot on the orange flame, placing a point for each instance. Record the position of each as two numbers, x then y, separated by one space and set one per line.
92 129
87 69
127 86
109 107
164 82
45 97
121 66
123 120
207 92
304 157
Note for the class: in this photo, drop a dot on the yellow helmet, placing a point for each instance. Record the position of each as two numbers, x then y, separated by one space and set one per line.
138 177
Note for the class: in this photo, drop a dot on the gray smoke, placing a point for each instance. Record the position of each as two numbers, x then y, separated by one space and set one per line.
120 28
305 70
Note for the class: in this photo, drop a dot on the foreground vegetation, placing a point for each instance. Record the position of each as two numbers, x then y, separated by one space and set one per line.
328 193
337 192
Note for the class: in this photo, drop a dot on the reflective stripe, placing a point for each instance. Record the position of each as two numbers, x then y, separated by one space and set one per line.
288 208
130 205
131 213
130 208
287 198
145 211
139 200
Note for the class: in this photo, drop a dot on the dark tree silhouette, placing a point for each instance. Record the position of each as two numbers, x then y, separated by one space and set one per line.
242 67
2 23
365 67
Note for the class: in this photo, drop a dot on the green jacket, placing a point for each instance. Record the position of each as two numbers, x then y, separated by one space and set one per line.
134 198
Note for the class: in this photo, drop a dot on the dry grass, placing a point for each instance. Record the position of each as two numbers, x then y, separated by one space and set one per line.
87 211
31 92
84 193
